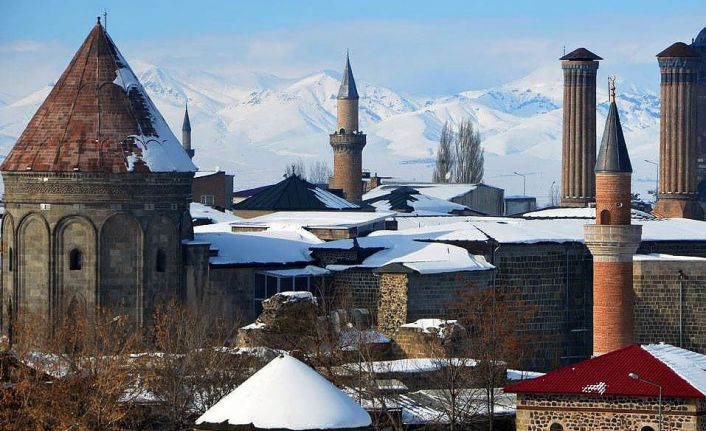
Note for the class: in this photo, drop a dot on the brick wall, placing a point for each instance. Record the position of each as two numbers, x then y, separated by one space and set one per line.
539 412
613 198
612 306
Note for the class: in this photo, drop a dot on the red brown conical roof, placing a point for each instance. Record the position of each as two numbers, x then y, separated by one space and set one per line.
98 118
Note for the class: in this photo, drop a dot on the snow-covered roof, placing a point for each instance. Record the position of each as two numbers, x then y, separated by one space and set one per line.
440 191
409 202
409 365
309 270
422 257
287 394
429 326
272 246
315 219
199 174
667 257
690 366
507 230
585 213
200 211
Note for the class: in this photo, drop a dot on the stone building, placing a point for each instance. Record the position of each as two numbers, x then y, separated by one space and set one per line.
214 189
612 240
638 388
348 141
97 193
579 127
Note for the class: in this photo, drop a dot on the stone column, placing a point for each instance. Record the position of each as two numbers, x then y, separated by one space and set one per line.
348 164
579 128
677 195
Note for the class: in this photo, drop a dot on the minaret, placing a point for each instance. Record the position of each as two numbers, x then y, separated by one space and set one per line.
578 149
677 133
186 133
612 240
347 141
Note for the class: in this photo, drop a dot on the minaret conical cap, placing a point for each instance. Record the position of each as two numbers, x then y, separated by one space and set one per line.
613 154
186 124
348 89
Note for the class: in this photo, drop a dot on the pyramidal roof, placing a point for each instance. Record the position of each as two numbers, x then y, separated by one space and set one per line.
613 154
98 118
679 49
295 194
580 54
348 89
680 372
286 394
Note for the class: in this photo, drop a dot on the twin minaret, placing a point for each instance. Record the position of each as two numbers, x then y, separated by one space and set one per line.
186 133
347 141
578 142
612 240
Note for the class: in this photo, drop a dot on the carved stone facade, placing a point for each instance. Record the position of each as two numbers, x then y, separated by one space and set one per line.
537 412
96 240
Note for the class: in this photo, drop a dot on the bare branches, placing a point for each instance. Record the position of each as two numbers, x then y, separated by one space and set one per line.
459 158
444 156
319 173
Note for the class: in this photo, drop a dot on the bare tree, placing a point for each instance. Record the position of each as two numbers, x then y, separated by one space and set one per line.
297 168
319 173
468 154
444 156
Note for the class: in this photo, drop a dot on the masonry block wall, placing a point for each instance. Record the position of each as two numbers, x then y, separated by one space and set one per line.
659 284
595 413
124 232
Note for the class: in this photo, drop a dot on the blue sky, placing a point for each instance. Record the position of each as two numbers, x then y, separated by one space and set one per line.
418 47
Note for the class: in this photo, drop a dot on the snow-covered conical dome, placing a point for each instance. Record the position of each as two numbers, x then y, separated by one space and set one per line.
286 394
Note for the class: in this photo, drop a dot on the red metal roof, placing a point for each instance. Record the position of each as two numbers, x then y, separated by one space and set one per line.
607 375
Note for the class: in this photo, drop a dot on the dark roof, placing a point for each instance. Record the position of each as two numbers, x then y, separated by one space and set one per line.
94 118
613 154
580 54
348 89
186 125
701 38
399 199
250 192
295 194
607 375
679 49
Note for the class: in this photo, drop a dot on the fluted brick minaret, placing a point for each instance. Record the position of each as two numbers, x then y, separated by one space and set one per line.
347 141
612 241
186 134
578 151
677 195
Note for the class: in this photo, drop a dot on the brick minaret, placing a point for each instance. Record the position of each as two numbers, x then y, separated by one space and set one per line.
186 134
612 241
677 133
347 141
578 150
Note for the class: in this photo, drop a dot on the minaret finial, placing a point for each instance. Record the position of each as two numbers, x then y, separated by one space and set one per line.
611 89
98 20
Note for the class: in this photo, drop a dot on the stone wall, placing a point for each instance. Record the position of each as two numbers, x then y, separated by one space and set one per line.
231 291
357 288
595 413
657 284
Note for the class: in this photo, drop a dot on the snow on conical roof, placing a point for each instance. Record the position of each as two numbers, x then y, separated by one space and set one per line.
286 394
98 118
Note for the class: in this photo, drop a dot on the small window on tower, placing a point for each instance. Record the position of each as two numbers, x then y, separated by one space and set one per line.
161 263
556 427
75 260
648 428
9 260
605 217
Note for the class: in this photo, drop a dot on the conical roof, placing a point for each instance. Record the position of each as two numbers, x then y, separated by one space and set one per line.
678 49
613 154
98 118
295 194
580 54
286 394
186 124
348 89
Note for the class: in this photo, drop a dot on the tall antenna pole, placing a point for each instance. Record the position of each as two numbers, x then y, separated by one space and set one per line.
105 19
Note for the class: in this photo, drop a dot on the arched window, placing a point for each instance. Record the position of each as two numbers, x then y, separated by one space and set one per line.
605 217
161 264
556 427
647 428
75 260
9 259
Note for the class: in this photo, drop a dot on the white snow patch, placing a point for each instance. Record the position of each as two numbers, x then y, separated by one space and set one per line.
596 388
690 366
287 394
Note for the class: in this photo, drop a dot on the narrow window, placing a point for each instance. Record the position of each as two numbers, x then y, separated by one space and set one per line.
556 427
605 217
9 260
75 260
161 261
648 428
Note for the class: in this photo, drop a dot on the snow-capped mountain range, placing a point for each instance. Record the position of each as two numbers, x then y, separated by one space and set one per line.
254 124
